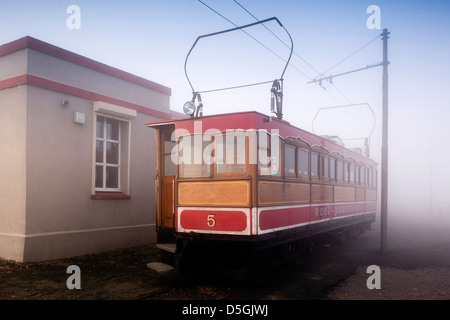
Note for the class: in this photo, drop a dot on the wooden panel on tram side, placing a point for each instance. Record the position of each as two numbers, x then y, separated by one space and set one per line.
360 194
214 193
344 194
371 194
321 193
279 193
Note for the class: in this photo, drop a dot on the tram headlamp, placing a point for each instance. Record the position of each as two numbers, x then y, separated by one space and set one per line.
189 108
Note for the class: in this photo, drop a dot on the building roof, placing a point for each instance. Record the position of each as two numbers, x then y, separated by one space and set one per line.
38 45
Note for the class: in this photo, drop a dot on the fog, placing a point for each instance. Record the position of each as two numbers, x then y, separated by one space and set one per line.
418 185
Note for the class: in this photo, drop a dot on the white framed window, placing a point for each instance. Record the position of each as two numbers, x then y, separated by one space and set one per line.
111 148
107 154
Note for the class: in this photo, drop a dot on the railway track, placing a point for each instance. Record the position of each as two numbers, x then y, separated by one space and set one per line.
198 292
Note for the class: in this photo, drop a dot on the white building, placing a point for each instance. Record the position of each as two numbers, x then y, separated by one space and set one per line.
77 164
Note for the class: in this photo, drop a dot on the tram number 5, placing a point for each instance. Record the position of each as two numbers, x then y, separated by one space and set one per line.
211 221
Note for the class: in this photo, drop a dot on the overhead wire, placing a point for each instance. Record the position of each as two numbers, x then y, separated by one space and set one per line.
287 46
248 34
348 57
225 18
300 57
319 74
295 53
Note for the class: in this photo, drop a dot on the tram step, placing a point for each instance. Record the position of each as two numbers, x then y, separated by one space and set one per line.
170 247
159 267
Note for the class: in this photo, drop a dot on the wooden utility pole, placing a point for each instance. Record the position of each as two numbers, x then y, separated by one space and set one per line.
384 146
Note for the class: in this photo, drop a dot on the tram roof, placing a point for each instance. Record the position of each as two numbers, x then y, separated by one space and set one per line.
253 120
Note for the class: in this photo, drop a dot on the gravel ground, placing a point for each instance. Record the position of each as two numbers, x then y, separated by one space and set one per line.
431 283
416 267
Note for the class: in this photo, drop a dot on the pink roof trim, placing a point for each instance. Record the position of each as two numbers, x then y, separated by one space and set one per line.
38 45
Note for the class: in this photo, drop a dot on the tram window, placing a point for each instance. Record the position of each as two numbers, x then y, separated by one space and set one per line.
231 153
289 160
333 168
275 156
324 167
195 156
269 154
362 175
340 168
264 154
170 168
374 178
303 163
357 174
351 173
345 171
370 182
314 164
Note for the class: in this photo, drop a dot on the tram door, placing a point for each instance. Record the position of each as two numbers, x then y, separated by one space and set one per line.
168 172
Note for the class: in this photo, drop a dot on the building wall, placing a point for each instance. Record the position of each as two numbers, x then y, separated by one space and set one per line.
69 73
47 161
62 219
14 64
12 172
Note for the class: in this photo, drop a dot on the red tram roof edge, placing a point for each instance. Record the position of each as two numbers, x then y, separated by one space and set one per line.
248 120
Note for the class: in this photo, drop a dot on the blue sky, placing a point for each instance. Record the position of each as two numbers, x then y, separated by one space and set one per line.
151 39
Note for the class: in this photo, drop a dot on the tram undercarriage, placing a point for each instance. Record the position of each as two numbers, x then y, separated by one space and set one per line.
251 258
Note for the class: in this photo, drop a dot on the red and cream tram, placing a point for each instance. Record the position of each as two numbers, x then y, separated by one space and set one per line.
250 187
253 181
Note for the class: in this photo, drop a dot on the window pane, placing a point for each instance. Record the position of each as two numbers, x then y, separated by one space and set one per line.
231 153
352 173
107 154
374 178
169 144
362 175
314 164
339 170
99 151
346 171
112 129
275 154
237 144
332 168
289 160
169 166
264 161
100 126
112 177
195 157
99 176
263 154
112 153
325 167
357 174
303 162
